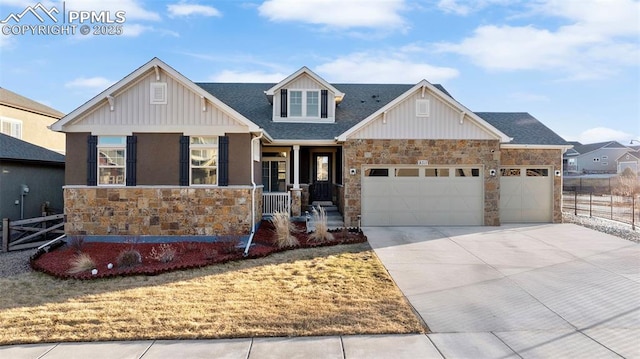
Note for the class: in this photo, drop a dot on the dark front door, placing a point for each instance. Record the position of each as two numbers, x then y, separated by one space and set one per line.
321 177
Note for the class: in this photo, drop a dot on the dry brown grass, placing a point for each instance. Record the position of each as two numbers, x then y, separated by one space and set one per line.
317 291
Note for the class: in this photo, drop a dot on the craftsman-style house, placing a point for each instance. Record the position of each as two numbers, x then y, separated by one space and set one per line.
157 154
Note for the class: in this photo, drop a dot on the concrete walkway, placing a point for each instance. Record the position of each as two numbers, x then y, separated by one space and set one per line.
530 291
539 291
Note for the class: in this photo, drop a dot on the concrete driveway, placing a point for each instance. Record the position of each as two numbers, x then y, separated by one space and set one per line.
531 291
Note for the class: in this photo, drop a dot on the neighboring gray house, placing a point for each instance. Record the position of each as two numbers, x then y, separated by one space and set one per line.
599 158
29 177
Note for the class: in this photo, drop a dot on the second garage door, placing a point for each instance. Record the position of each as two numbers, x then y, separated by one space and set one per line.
419 196
526 195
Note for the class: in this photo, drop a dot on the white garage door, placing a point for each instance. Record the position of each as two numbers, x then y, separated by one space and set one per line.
526 195
419 196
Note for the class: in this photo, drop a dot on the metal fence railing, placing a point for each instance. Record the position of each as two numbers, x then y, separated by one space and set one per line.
625 209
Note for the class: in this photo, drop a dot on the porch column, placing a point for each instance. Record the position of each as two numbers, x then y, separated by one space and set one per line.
296 166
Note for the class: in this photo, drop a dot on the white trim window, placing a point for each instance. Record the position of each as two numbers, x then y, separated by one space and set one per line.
11 127
304 103
203 156
112 159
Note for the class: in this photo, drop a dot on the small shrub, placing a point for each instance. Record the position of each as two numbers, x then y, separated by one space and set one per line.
129 258
283 228
230 244
321 234
76 243
165 253
82 263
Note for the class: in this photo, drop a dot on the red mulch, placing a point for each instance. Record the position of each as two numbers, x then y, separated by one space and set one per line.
188 254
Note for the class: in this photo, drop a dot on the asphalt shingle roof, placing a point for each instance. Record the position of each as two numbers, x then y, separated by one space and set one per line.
12 99
15 149
360 101
586 148
523 128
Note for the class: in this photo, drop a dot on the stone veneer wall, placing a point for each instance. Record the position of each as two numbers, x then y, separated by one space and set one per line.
409 152
160 211
529 157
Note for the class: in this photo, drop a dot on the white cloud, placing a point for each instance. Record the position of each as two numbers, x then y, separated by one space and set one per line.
93 83
591 46
466 7
603 134
133 9
183 9
383 67
134 30
244 76
337 13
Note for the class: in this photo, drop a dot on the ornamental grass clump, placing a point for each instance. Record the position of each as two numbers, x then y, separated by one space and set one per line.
82 263
321 233
283 228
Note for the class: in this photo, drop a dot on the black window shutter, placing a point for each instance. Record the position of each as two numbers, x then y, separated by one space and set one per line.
283 103
131 160
223 161
92 161
184 160
324 103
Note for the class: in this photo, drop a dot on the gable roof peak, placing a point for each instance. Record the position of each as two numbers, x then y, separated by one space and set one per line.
305 70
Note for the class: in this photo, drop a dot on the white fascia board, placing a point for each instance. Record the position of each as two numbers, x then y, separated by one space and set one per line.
442 96
304 69
134 77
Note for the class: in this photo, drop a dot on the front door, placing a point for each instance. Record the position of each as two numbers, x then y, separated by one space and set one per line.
321 177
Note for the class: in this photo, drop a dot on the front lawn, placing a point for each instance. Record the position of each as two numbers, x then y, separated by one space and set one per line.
335 290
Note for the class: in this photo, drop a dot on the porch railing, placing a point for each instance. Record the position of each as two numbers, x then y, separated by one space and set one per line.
276 202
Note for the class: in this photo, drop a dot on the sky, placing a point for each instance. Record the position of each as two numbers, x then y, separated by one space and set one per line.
572 64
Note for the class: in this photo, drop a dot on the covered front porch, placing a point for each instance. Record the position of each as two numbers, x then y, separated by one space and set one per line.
296 176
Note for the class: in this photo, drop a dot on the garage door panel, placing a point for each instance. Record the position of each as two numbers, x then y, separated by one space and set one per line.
526 198
423 200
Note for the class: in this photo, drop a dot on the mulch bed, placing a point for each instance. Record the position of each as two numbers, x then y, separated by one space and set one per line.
57 262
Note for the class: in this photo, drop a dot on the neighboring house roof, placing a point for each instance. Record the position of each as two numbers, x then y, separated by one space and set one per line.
523 128
586 148
632 156
14 149
12 99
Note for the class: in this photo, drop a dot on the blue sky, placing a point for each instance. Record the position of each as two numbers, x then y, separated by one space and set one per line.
573 64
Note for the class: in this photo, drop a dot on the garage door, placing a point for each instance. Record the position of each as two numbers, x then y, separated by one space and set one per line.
526 195
419 196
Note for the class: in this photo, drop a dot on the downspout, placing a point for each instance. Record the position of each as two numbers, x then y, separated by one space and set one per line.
253 196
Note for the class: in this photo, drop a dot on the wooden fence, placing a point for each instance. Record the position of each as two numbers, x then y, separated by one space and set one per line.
30 233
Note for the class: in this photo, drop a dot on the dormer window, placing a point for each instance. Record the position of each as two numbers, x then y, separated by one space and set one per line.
304 103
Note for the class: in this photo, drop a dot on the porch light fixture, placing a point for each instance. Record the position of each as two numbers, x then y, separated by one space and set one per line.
492 172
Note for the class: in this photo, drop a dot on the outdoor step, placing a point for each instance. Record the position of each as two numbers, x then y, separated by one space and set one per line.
321 203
